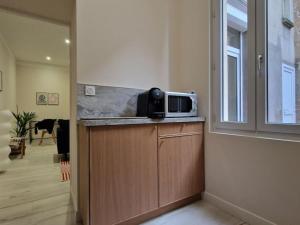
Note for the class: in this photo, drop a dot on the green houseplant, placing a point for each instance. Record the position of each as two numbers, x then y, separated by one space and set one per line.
22 121
20 131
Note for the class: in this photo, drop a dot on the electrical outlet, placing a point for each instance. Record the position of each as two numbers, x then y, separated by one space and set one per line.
90 90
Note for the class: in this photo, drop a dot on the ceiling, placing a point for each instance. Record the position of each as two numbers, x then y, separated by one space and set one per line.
56 10
33 40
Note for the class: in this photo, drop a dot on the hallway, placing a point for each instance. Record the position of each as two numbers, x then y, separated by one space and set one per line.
31 192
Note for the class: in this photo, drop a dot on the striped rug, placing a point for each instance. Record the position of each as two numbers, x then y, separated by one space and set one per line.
65 171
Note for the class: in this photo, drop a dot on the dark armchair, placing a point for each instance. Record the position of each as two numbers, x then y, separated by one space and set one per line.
63 139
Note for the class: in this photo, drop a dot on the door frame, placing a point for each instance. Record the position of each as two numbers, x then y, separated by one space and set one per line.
73 87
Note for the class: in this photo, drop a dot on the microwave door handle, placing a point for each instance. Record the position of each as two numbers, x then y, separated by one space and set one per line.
193 103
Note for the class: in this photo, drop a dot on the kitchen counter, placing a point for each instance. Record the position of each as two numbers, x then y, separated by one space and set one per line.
114 121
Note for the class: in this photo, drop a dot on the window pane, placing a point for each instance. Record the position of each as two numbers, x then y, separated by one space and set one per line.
232 88
234 76
283 77
287 10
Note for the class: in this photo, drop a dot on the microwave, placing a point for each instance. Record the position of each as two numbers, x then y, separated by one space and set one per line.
179 104
158 104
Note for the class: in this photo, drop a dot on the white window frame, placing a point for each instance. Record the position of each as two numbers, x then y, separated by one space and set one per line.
262 43
218 59
257 121
235 53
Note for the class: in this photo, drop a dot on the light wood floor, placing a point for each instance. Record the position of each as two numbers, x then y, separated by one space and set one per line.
31 192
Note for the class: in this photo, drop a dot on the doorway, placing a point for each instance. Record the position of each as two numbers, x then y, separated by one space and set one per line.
35 66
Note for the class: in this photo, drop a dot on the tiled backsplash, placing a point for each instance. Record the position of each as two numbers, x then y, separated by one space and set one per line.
108 102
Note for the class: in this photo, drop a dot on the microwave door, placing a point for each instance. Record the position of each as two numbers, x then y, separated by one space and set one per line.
180 106
186 104
173 104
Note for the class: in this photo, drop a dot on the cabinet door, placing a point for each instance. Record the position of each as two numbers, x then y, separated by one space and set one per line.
123 173
180 168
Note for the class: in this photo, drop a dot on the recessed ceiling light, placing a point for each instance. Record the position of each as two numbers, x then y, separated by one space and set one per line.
48 58
67 41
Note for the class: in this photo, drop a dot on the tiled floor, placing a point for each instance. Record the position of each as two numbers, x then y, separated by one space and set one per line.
200 213
31 192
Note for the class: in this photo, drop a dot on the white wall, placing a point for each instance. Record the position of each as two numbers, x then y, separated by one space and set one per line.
8 68
32 78
190 49
123 43
258 175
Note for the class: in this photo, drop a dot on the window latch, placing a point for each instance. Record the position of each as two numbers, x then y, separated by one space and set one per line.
260 60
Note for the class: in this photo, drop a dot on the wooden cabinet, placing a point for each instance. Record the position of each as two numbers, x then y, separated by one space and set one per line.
180 163
130 173
123 173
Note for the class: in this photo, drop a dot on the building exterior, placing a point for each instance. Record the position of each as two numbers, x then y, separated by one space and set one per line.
297 54
283 64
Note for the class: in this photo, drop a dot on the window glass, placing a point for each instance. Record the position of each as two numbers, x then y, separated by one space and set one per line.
283 77
234 76
287 9
234 38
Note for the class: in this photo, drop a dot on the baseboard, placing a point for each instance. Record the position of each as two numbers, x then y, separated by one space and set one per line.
236 211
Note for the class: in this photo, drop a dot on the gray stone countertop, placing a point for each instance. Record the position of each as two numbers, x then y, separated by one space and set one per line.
114 121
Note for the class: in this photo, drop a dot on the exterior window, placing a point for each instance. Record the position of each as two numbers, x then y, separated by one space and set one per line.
232 104
235 25
256 72
282 76
287 9
288 95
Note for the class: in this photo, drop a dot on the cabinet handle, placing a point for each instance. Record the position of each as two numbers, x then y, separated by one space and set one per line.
161 143
154 128
182 127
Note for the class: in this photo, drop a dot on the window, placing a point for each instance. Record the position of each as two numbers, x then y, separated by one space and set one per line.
288 112
287 13
232 87
234 75
234 84
256 73
287 10
280 75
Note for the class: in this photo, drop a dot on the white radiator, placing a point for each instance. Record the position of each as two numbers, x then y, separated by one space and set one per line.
5 127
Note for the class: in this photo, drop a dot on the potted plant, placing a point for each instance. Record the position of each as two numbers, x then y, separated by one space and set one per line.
20 131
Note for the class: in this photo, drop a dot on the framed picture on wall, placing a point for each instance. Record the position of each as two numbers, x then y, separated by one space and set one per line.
1 81
53 99
41 98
